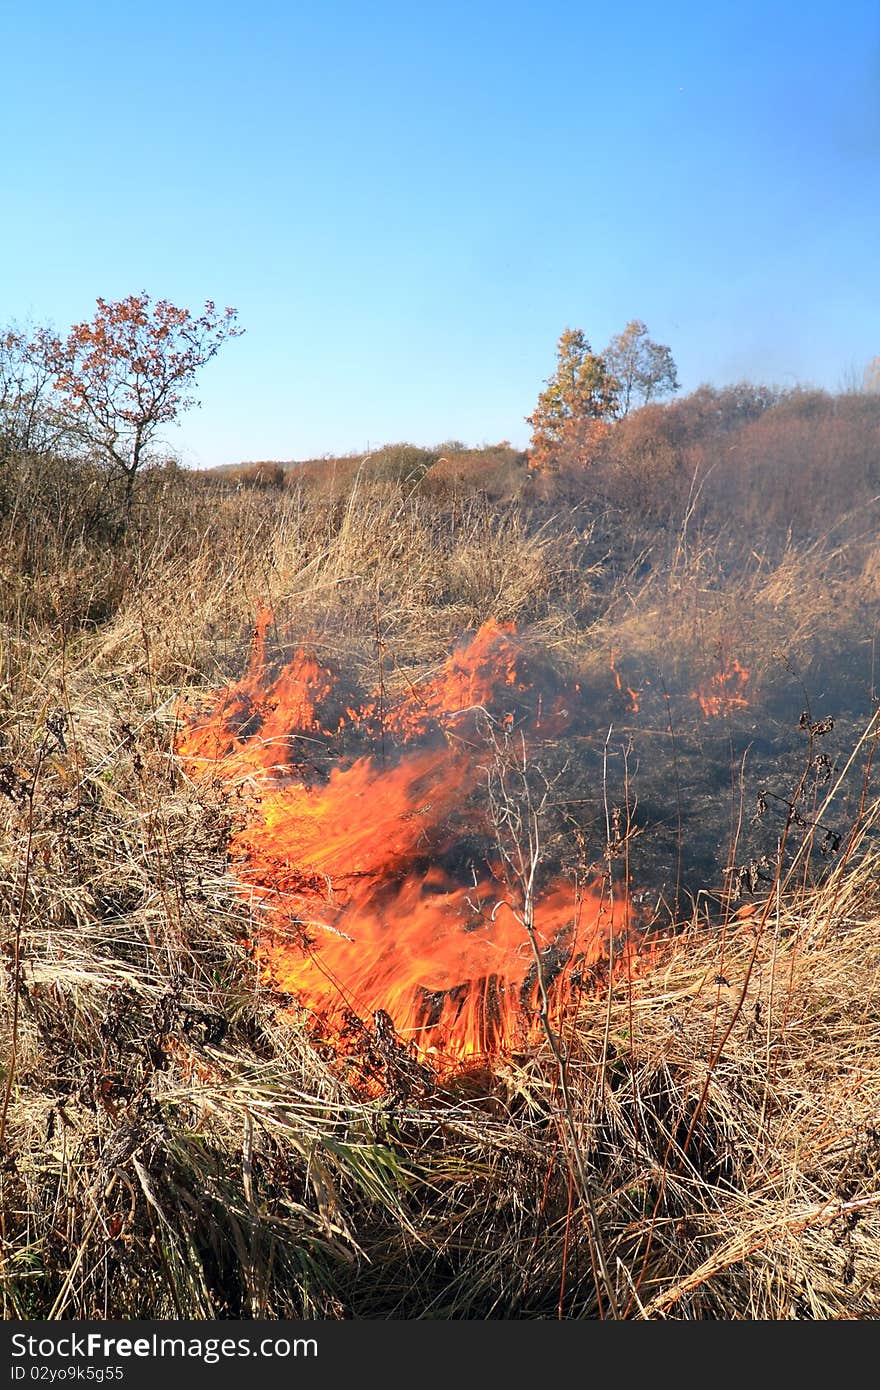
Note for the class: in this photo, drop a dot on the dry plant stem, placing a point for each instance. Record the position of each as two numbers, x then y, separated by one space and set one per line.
606 1036
380 671
731 861
769 1064
548 1177
627 927
717 1049
147 654
16 942
679 833
873 730
681 548
68 711
738 1247
609 851
522 860
872 733
565 1244
735 818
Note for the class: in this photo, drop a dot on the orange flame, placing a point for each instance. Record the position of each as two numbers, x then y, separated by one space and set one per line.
632 695
381 884
257 725
724 692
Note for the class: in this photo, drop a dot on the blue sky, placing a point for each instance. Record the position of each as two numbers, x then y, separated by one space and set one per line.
408 204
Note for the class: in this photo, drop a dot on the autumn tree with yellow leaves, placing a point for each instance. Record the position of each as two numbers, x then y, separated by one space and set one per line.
575 407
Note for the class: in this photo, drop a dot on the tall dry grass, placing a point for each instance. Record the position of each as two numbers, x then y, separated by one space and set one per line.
173 1145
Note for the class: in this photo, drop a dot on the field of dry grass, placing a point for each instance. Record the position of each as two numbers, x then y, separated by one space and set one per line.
702 1141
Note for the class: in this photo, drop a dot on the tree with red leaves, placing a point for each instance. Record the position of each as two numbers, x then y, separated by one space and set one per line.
130 371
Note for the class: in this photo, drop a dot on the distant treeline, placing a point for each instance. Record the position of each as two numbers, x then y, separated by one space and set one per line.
765 457
498 469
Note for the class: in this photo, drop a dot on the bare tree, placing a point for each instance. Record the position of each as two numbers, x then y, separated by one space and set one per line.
644 370
29 423
871 377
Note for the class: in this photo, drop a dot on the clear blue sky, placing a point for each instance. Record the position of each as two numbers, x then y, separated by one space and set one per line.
408 203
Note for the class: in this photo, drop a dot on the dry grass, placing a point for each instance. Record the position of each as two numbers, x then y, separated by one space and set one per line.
172 1143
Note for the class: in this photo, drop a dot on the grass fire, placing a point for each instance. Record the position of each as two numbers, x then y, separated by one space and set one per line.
385 875
443 883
